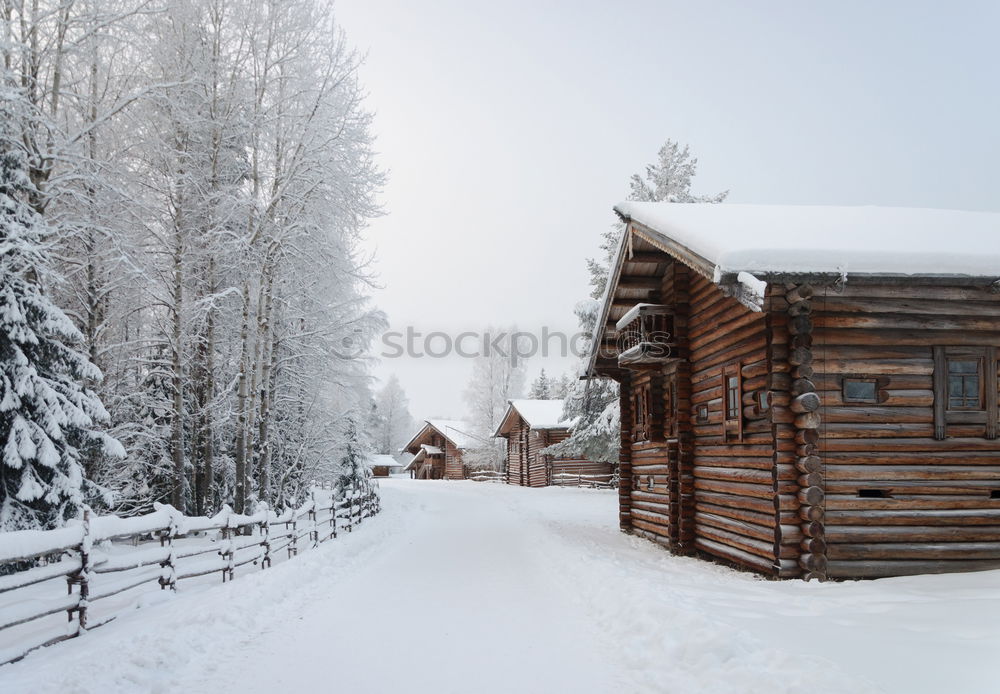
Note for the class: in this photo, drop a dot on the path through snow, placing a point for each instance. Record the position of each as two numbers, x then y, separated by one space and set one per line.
465 587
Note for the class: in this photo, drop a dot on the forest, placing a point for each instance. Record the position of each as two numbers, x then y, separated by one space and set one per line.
184 187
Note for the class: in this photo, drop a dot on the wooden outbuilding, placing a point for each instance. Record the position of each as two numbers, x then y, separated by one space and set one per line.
383 465
532 425
437 450
808 391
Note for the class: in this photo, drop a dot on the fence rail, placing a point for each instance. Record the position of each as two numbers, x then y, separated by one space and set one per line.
570 479
93 558
486 476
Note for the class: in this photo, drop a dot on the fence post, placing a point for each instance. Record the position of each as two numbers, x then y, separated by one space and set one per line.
333 513
227 551
350 510
169 576
315 522
293 541
265 531
83 577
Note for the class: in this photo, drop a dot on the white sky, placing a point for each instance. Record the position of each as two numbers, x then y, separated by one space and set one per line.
511 128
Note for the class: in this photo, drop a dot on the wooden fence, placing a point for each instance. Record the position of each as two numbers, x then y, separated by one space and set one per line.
570 479
167 548
486 476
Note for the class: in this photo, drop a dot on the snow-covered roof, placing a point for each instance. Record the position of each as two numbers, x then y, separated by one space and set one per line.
454 430
431 450
381 459
776 239
539 414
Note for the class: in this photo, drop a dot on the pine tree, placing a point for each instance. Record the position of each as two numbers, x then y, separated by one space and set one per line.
541 387
352 465
667 180
593 404
47 413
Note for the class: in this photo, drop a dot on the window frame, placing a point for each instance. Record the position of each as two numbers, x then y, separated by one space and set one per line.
849 400
732 426
980 376
987 413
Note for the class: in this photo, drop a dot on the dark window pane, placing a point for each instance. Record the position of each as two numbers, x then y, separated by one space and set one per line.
972 387
963 366
858 390
955 386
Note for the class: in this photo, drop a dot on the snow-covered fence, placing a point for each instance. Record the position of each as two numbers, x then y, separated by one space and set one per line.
100 557
487 476
569 479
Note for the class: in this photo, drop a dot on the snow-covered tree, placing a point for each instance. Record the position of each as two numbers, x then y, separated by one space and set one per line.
497 377
206 169
390 422
541 387
562 386
48 416
668 179
352 459
593 404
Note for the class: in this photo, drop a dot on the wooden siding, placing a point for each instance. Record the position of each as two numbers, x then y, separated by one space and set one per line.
734 489
453 468
940 510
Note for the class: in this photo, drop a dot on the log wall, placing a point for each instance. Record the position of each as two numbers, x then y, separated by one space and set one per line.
732 465
453 468
900 499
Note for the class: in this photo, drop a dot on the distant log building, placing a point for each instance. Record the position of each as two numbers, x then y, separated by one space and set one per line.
806 391
437 450
530 426
383 465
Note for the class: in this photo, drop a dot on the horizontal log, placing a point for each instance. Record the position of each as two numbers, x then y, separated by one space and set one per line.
913 550
864 534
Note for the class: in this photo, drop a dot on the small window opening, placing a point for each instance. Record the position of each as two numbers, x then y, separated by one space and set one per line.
702 414
860 390
995 494
874 494
649 483
764 400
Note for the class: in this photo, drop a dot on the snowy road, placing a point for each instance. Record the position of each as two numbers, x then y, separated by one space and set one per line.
465 587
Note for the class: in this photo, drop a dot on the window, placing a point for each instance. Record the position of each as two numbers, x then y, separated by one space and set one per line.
641 413
860 390
965 384
763 400
702 414
965 390
733 404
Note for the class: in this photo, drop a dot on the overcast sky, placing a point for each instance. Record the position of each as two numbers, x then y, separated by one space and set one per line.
510 129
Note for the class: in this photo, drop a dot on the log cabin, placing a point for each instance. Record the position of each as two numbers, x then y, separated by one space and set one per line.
437 450
383 465
529 426
808 391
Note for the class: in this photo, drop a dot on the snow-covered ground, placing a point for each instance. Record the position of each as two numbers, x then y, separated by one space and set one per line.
466 587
